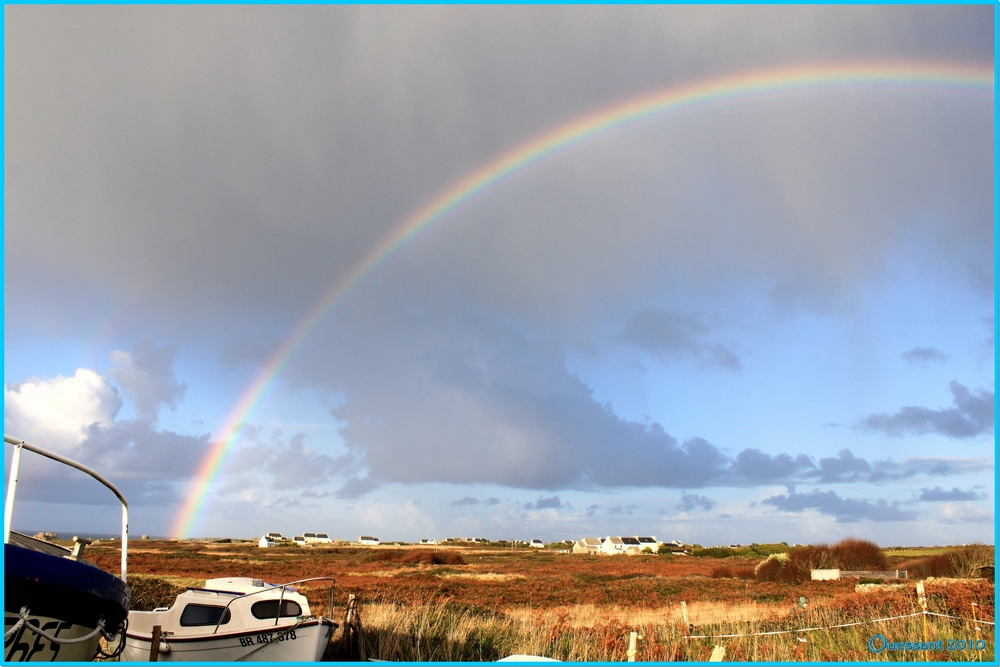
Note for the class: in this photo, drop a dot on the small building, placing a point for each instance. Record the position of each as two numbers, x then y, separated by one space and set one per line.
588 545
425 540
299 540
631 546
536 543
266 541
612 546
368 540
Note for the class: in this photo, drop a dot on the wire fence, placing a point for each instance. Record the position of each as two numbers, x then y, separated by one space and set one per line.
841 625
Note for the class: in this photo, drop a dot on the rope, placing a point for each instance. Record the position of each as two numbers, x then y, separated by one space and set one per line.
55 640
786 632
831 627
931 613
17 626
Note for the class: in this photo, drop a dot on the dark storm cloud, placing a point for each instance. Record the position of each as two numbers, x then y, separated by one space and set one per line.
972 416
214 170
690 501
846 510
552 502
467 500
923 354
146 377
533 423
670 336
937 493
238 160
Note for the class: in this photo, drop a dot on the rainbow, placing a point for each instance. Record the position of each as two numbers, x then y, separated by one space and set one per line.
686 97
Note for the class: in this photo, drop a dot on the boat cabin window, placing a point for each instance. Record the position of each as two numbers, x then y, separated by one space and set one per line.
203 614
269 608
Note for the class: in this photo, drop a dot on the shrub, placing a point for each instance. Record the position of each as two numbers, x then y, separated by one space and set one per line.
148 593
855 554
431 558
967 561
931 566
770 568
714 552
722 573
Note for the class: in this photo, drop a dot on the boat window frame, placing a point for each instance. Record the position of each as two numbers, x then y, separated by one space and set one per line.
223 618
280 605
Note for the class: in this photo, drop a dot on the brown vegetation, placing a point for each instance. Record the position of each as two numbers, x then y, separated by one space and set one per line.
482 604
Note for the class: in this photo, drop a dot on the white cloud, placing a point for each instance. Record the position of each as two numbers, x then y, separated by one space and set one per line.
963 512
55 413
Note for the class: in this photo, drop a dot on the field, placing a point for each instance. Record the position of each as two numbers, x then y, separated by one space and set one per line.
422 603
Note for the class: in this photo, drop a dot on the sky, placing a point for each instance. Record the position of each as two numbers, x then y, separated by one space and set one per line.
764 319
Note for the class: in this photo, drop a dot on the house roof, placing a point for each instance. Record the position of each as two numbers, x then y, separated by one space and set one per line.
646 540
590 541
614 540
629 540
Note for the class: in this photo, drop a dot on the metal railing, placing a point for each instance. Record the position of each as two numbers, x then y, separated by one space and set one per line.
12 489
269 588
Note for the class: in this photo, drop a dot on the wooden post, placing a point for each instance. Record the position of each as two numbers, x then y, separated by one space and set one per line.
718 653
684 614
922 599
632 637
154 643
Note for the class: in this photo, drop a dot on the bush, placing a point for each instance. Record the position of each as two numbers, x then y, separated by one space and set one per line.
722 573
854 554
968 561
931 566
148 593
431 558
714 552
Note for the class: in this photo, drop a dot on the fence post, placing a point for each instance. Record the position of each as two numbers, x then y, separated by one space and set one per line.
684 614
718 654
631 645
922 599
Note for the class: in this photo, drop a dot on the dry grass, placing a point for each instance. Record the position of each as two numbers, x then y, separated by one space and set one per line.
481 576
585 633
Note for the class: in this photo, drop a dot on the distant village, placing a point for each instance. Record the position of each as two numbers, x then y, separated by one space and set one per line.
631 545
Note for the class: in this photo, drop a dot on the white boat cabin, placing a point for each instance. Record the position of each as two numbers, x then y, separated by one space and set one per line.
231 619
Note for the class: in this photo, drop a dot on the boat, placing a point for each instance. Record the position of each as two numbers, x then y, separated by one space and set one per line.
57 605
229 620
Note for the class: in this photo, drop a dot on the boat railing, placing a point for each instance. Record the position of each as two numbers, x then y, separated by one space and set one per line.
281 598
12 488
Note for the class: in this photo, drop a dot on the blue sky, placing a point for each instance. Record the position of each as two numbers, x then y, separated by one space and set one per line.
768 320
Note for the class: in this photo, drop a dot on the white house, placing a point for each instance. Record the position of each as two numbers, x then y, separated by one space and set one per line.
425 540
613 546
588 545
538 544
316 538
299 540
368 540
266 541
